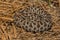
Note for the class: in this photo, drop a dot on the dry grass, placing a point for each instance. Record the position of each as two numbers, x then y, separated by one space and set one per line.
8 31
